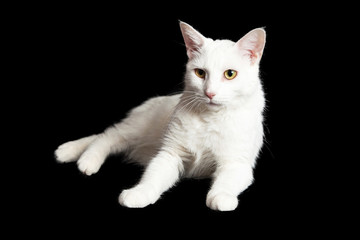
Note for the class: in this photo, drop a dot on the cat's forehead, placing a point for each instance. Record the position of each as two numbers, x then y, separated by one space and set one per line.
218 43
218 46
218 54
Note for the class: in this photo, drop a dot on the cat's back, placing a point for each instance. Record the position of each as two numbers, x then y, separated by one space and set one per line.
148 123
158 108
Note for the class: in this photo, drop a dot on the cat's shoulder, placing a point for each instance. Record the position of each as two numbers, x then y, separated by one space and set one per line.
169 98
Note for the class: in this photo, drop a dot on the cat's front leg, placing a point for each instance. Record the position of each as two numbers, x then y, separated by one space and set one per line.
230 179
161 174
139 196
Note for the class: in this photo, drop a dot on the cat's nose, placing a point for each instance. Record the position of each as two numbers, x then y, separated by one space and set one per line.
210 94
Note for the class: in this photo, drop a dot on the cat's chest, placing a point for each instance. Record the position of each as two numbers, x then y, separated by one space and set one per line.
201 141
205 135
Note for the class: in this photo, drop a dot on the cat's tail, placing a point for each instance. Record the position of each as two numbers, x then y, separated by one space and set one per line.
71 151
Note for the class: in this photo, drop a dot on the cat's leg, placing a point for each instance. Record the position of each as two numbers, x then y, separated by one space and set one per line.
91 152
126 134
108 142
72 150
230 179
161 174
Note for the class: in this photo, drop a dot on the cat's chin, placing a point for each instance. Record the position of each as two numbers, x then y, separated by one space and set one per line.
214 104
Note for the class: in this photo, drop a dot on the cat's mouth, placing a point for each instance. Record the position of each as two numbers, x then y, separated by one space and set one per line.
212 103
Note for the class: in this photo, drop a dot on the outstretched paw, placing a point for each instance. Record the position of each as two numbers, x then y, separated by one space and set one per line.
138 197
221 201
68 152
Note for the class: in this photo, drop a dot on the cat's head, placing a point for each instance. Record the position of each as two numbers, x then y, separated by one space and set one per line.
220 72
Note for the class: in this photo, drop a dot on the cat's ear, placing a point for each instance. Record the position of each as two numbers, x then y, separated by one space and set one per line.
252 45
192 38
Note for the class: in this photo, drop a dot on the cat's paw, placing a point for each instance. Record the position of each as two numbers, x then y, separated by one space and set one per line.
221 201
89 164
68 152
138 197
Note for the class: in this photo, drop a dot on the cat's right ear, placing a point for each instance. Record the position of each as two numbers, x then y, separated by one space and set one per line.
192 38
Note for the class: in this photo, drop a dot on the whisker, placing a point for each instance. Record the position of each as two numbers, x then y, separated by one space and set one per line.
188 102
184 101
181 106
191 106
196 103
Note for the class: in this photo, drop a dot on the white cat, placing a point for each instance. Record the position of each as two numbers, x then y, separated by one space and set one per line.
213 129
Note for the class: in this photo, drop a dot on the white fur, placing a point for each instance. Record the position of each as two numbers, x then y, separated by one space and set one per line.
189 135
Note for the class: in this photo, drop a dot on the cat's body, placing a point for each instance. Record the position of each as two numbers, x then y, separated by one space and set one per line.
213 129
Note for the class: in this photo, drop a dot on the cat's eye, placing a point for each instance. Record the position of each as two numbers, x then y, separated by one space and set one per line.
200 73
230 74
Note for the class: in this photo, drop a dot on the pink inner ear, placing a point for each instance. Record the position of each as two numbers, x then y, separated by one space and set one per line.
193 44
192 38
192 47
252 45
251 55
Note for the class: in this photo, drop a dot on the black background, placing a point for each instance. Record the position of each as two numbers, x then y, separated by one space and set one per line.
78 69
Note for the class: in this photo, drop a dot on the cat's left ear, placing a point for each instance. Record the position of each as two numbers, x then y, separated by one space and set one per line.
252 45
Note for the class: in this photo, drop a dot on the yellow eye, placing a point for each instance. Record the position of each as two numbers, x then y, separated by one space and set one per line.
230 74
200 73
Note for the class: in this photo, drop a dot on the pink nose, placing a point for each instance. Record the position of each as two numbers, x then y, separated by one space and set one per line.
210 95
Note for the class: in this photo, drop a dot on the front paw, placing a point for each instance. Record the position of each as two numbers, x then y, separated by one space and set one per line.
138 197
221 201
